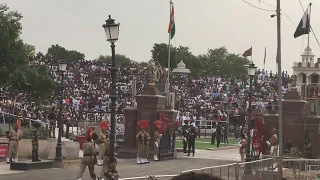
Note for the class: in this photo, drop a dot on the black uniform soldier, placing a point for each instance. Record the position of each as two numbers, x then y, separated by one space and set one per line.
191 140
185 134
219 135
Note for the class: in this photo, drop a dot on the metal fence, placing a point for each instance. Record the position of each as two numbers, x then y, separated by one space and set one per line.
264 169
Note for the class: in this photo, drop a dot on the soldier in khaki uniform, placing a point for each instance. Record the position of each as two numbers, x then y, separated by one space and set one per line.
89 157
143 142
106 151
274 143
157 137
104 126
14 138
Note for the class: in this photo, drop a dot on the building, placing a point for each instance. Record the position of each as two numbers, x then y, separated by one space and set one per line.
308 67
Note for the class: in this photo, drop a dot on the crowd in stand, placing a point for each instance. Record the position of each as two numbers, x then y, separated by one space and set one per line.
87 89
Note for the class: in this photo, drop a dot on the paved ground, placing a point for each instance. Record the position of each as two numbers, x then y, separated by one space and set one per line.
129 168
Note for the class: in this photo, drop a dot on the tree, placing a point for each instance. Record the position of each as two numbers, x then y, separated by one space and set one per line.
14 54
119 58
57 53
34 82
216 62
12 49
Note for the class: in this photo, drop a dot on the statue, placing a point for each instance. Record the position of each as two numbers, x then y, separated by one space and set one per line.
152 75
35 145
293 81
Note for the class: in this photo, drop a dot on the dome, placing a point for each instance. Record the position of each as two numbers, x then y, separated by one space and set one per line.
307 49
181 64
181 68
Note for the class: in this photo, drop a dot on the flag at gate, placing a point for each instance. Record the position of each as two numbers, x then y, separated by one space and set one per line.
304 25
247 53
172 25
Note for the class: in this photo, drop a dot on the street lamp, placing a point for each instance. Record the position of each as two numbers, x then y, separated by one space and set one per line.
252 69
62 69
112 31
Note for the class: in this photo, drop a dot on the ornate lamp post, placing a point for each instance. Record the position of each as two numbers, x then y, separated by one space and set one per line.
112 31
62 69
252 69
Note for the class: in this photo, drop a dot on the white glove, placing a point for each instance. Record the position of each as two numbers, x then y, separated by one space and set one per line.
185 139
156 143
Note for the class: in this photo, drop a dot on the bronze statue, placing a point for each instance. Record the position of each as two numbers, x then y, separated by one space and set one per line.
35 146
293 80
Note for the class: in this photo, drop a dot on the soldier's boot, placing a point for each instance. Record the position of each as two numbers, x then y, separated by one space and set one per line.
146 161
155 158
143 161
16 160
99 163
139 160
8 160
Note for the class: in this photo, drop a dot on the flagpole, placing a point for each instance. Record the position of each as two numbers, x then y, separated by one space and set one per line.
169 61
280 125
251 55
308 46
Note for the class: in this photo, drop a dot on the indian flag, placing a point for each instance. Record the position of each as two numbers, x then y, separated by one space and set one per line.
172 26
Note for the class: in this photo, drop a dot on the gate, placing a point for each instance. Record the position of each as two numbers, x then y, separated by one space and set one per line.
167 145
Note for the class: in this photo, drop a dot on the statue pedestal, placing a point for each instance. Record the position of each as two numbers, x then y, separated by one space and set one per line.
149 106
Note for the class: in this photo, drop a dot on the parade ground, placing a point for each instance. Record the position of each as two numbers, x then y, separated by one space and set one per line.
129 168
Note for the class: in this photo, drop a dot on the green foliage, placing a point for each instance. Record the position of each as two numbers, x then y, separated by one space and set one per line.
57 53
119 58
216 62
14 55
35 82
13 51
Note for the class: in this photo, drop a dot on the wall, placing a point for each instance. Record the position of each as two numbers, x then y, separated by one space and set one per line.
47 150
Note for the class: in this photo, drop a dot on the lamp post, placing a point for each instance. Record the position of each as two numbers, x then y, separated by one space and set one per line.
112 31
62 69
252 69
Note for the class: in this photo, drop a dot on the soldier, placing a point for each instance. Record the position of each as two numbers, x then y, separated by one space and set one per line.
112 173
185 134
143 142
14 138
104 126
89 156
106 150
191 140
274 143
157 137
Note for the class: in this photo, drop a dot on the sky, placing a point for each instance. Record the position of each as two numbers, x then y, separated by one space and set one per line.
200 25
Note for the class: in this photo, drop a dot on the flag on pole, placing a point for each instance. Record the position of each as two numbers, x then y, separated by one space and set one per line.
265 55
304 25
172 26
247 53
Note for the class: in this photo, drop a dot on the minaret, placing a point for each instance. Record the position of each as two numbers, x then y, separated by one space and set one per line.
301 69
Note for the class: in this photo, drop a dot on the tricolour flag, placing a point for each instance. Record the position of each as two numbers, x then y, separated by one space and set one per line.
247 53
172 26
304 25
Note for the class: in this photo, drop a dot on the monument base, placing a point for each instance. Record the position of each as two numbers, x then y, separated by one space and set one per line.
29 165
